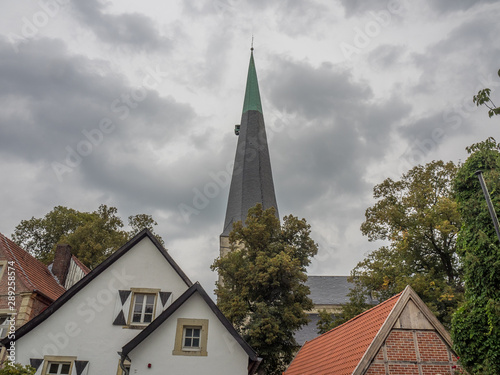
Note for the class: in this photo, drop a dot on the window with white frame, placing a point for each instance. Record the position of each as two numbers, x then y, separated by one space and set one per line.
58 368
143 308
59 365
191 337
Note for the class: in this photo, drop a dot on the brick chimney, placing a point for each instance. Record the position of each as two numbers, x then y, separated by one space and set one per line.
62 260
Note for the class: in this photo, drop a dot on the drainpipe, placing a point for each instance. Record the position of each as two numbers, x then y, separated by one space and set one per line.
489 203
122 363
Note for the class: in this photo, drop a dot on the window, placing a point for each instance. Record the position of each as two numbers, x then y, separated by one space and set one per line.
144 307
191 337
137 307
58 365
59 368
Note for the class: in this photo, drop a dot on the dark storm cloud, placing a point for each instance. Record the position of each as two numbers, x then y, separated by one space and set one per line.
133 30
50 99
335 131
446 6
464 60
358 7
314 92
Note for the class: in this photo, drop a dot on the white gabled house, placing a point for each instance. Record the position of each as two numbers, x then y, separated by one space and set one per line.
137 313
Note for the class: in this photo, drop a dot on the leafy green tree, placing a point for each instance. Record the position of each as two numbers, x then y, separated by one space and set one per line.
326 321
142 221
418 217
262 290
483 98
98 238
16 369
39 235
93 236
476 325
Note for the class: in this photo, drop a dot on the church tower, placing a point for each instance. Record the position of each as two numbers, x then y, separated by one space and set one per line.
252 179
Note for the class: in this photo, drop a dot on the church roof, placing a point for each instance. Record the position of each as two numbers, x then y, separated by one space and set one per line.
252 179
329 290
252 94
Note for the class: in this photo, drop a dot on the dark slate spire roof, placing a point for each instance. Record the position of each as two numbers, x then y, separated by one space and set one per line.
252 180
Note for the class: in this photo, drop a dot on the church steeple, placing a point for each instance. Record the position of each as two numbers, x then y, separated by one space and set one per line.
252 94
252 180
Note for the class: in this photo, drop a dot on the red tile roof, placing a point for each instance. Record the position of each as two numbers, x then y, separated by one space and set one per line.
340 350
34 273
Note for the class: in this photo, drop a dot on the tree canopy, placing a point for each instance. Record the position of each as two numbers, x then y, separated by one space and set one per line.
417 216
93 236
262 290
476 325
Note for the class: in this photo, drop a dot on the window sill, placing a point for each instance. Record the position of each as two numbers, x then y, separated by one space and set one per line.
191 353
135 326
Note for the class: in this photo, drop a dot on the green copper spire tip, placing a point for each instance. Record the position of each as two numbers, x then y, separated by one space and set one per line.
252 95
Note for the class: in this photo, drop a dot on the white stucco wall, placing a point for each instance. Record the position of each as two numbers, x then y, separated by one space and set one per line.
225 355
83 326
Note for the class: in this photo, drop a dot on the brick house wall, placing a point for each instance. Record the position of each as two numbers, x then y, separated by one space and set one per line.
418 352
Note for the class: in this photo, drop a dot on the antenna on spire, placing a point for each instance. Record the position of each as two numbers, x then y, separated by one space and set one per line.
251 49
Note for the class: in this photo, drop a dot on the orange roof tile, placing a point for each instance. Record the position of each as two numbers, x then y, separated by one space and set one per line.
340 350
34 273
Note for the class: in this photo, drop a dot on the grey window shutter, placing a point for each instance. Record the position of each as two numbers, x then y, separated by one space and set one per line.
164 301
80 368
122 308
37 364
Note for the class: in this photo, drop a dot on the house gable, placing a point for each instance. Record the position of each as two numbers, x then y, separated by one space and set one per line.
409 322
224 349
82 321
398 336
111 260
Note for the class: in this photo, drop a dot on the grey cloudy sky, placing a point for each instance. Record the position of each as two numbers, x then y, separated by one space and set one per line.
133 104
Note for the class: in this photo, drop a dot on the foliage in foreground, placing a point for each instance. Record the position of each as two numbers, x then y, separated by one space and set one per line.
93 236
263 292
16 369
476 325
